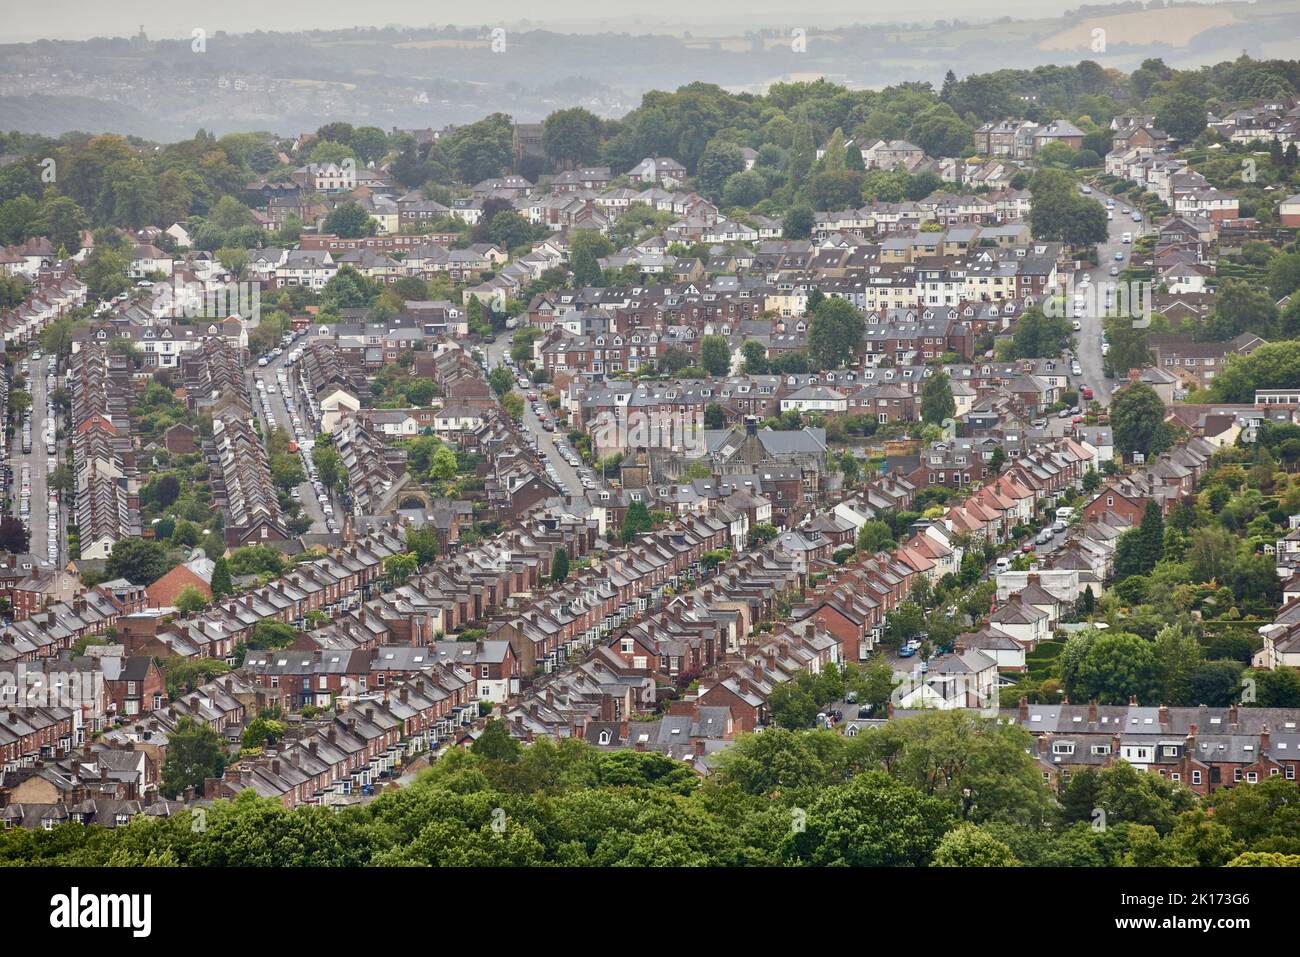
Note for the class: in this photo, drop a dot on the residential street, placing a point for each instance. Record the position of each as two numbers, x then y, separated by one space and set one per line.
1088 338
37 471
280 416
548 443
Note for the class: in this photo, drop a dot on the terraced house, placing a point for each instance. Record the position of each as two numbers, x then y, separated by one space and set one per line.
241 480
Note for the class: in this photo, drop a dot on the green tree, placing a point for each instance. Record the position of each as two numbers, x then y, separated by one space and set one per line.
720 161
190 600
875 536
423 542
1211 553
560 566
350 221
1277 689
715 355
798 222
1177 655
636 521
261 731
444 465
1118 665
271 636
835 335
968 845
139 561
1137 419
571 137
221 582
194 753
872 821
329 466
496 743
398 568
1182 116
937 402
792 707
501 380
1039 336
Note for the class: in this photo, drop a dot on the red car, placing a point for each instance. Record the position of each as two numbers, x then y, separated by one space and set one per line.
1087 393
532 397
1026 548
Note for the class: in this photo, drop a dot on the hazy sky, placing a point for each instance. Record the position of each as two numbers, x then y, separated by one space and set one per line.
80 19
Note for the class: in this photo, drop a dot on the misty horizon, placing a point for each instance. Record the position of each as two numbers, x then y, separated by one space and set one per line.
83 20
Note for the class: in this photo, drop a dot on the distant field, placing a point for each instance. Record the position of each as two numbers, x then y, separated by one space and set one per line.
745 44
1175 25
430 44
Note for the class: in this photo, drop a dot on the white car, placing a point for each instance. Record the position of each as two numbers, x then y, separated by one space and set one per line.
1076 369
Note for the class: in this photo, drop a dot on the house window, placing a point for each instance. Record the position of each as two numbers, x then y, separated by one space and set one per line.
1251 777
